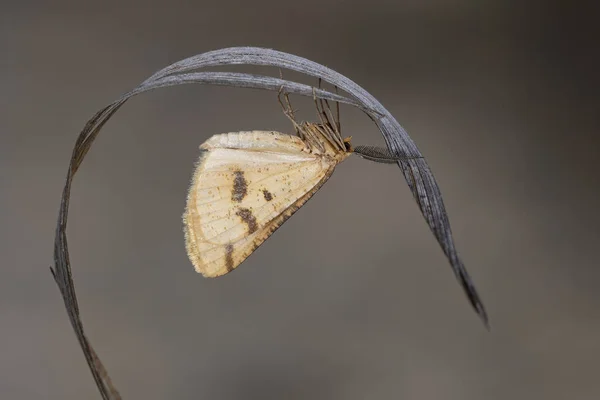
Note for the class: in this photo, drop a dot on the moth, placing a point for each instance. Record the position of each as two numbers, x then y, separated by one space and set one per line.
247 184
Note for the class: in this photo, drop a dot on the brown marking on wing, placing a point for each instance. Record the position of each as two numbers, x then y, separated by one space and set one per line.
228 257
246 215
267 194
240 187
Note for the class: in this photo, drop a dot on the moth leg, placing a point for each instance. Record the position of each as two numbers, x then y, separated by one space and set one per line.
288 110
337 109
325 127
319 113
324 102
323 117
332 124
321 108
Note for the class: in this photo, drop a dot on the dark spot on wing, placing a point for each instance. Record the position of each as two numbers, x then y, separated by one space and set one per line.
229 258
246 215
268 195
240 187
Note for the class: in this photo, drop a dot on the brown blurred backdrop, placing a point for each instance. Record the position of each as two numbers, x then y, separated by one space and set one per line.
352 297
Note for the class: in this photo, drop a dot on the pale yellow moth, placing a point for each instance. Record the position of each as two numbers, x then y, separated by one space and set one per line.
247 184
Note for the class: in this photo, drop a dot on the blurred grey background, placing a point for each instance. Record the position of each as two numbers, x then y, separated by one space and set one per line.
352 297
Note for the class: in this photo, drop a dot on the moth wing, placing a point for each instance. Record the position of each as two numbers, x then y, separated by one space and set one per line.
245 186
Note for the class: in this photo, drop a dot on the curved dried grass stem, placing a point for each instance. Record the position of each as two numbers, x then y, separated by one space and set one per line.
414 167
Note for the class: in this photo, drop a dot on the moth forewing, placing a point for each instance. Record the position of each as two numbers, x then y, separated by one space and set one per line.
246 184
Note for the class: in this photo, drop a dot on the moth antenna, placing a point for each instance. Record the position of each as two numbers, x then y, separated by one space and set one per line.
380 155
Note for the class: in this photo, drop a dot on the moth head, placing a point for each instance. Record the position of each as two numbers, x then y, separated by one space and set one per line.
348 144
